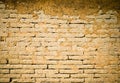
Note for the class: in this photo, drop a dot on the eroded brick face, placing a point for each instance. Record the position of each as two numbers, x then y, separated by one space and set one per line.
40 48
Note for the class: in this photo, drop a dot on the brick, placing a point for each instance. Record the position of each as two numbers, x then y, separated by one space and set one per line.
76 25
13 15
76 39
49 71
33 75
24 16
13 29
4 80
19 71
45 25
48 35
72 35
38 66
51 54
24 25
92 71
77 21
70 62
82 57
4 71
24 80
27 29
59 66
76 80
4 61
21 34
51 75
44 39
71 71
2 6
9 20
55 21
50 44
9 75
82 75
44 80
26 62
14 61
56 57
3 34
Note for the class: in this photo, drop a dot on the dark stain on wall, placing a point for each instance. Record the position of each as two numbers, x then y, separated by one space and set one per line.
60 7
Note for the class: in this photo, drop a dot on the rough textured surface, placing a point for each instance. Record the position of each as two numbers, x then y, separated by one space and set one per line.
41 48
60 7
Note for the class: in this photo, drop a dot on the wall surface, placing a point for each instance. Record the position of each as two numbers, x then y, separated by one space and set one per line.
42 48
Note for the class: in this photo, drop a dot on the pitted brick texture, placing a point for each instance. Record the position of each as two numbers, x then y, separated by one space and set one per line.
42 48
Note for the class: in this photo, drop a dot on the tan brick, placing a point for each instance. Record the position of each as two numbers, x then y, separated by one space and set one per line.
72 80
48 35
77 21
56 57
59 66
26 62
43 39
45 25
21 34
14 61
9 75
71 71
27 29
77 25
13 15
52 54
38 66
24 80
51 75
4 61
49 71
53 80
82 75
76 53
4 80
2 6
92 71
24 16
70 62
9 20
80 57
13 29
19 71
33 75
4 71
3 33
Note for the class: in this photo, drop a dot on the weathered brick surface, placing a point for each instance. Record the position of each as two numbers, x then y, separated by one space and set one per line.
53 49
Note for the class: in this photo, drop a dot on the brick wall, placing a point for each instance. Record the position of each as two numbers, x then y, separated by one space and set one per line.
40 48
